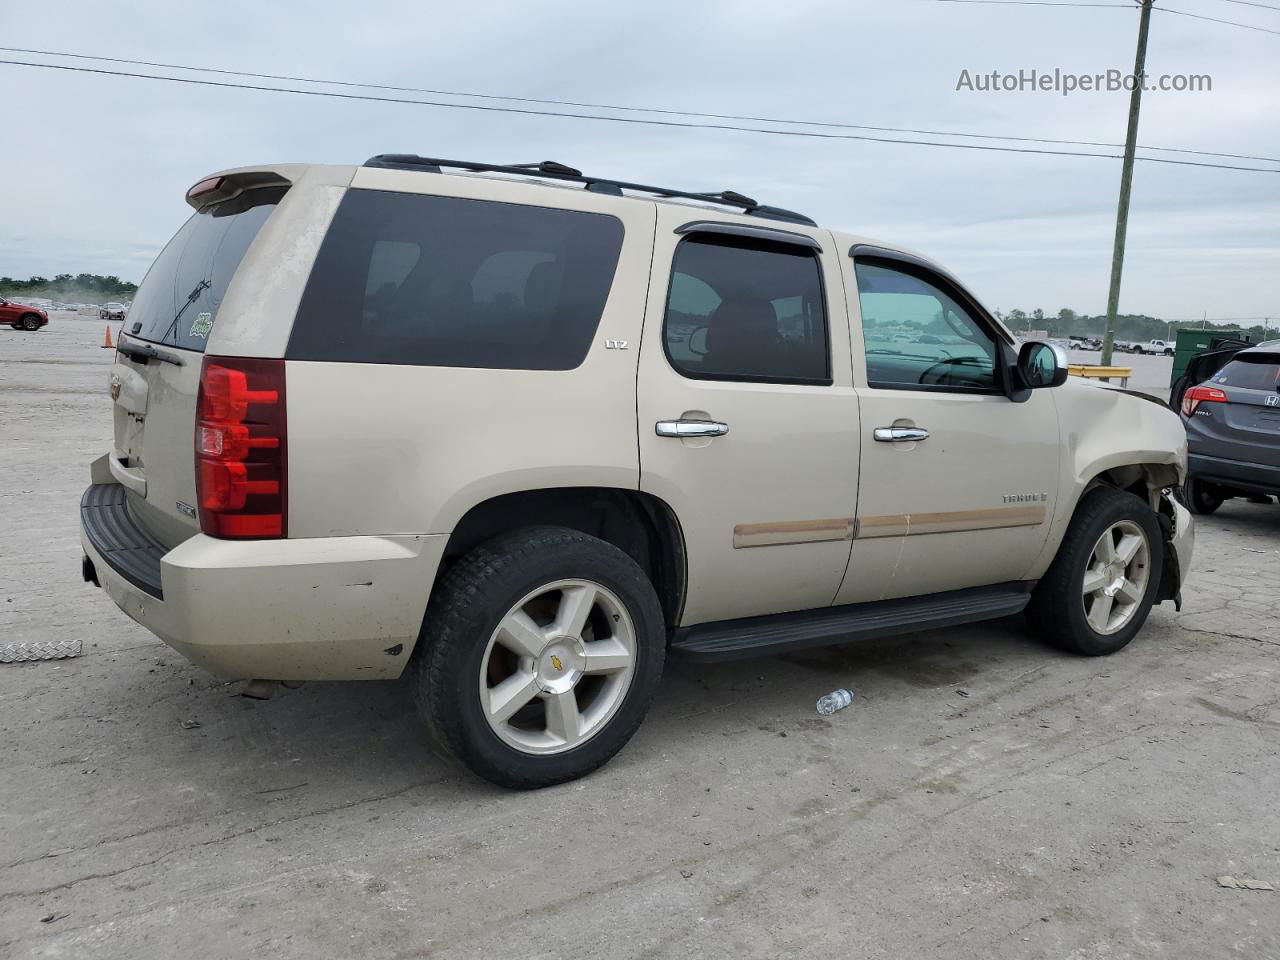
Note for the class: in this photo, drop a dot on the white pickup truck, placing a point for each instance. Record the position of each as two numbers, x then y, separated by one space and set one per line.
1157 347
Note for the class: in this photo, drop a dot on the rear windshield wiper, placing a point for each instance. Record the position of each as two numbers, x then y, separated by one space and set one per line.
128 348
192 297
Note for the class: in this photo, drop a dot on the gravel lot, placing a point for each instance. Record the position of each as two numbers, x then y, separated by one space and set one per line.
983 797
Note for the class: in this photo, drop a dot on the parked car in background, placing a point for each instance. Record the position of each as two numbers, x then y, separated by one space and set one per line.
1162 348
1233 430
112 311
22 316
709 445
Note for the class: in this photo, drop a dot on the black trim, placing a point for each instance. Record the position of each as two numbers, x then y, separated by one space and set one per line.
787 632
751 378
558 171
1234 474
124 546
145 352
748 230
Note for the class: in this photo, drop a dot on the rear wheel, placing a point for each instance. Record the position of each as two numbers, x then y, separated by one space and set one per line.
1099 590
540 655
1203 497
30 323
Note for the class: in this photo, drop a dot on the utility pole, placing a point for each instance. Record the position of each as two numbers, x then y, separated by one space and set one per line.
1126 180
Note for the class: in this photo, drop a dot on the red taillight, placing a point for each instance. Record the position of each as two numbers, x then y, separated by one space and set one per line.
241 451
208 185
1198 395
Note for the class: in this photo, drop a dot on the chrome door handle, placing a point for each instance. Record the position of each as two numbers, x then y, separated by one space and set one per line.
900 434
690 428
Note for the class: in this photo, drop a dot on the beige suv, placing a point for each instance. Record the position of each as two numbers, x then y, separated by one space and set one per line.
523 433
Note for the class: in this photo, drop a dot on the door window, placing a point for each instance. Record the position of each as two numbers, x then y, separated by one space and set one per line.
746 309
918 337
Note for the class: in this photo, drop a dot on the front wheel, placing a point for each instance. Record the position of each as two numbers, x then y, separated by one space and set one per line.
1100 588
539 657
30 323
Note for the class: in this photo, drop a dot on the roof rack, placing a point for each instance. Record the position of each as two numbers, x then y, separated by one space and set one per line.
559 171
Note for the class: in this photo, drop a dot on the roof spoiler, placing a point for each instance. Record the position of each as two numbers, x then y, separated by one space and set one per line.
226 186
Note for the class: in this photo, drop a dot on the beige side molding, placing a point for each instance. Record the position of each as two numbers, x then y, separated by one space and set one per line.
794 531
954 521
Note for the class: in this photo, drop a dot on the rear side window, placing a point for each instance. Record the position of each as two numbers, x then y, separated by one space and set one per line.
443 281
178 301
746 309
1251 371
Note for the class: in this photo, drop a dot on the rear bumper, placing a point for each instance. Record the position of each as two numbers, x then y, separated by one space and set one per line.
329 608
1251 477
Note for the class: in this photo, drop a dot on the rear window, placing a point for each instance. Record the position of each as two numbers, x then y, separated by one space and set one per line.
1258 371
443 281
178 301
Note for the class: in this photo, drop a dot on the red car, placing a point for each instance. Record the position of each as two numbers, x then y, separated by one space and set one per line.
22 317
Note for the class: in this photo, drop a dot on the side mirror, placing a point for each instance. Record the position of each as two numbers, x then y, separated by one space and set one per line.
698 342
1040 365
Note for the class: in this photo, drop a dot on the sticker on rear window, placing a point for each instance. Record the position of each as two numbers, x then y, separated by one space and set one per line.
202 324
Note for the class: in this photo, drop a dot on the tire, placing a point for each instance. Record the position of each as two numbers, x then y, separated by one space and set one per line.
1060 607
474 637
1203 498
1168 353
30 323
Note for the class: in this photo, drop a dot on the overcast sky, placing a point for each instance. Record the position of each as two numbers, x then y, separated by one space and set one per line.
94 168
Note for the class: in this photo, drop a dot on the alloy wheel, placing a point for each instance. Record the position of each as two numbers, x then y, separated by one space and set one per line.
1116 576
558 667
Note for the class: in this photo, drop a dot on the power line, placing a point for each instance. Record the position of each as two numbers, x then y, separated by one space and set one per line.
1253 3
1229 23
629 109
1039 3
631 120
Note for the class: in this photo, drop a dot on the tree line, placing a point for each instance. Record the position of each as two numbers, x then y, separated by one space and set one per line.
78 287
1129 326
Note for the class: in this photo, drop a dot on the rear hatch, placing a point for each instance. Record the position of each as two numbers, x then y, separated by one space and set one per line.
1246 427
156 376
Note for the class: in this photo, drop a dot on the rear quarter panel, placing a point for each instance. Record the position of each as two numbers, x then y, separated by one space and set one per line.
394 449
256 316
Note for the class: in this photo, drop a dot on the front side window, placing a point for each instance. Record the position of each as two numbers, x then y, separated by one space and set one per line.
746 309
918 337
407 278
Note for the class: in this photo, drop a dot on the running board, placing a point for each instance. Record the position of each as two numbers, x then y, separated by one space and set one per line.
785 632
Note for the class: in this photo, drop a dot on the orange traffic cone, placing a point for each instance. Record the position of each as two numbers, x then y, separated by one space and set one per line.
106 339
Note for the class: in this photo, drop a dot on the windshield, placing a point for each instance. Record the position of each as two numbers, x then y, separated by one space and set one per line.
178 301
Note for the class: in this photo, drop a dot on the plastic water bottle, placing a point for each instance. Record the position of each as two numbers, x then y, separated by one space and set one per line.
837 699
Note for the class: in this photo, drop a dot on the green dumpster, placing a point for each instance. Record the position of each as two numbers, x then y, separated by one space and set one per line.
1190 343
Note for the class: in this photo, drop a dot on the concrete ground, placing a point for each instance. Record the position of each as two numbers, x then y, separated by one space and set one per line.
983 797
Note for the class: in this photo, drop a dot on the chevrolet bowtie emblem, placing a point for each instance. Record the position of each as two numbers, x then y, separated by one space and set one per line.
555 662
